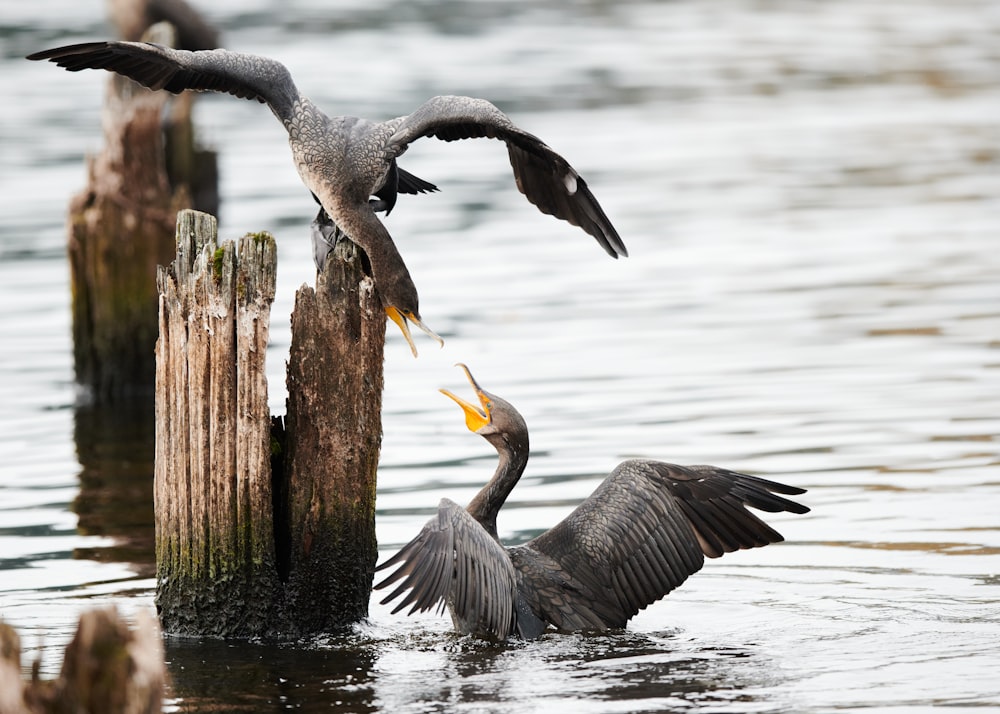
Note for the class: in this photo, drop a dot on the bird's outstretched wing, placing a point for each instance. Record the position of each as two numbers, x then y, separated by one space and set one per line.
543 176
157 67
644 530
453 560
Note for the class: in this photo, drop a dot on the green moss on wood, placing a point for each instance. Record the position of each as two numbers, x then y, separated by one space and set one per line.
217 259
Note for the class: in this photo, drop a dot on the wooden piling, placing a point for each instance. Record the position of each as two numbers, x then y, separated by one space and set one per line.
334 433
133 18
215 556
261 533
121 229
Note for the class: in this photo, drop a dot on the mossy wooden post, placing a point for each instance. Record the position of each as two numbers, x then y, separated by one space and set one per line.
334 433
215 555
121 227
241 549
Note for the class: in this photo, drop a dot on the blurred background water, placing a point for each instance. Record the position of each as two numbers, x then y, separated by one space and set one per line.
809 193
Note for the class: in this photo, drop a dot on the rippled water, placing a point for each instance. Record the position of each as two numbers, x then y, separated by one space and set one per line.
809 193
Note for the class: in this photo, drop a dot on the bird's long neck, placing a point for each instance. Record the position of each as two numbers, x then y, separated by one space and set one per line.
488 502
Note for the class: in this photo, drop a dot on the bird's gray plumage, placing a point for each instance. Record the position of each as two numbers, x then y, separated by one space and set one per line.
644 530
343 160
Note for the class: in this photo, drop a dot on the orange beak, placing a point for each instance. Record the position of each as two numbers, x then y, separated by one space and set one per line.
400 318
475 418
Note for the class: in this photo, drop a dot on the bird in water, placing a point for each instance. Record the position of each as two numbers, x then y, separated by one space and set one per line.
345 161
645 529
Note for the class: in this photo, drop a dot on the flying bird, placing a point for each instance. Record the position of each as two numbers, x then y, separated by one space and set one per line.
647 527
345 161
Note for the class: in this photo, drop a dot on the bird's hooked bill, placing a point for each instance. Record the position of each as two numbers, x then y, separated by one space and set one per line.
475 418
400 318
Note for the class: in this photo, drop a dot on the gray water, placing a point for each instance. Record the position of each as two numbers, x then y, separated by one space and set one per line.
809 193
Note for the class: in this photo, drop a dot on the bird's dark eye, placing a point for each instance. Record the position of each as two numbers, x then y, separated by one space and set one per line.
489 405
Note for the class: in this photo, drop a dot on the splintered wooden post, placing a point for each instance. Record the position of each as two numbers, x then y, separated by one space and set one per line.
244 549
334 433
215 553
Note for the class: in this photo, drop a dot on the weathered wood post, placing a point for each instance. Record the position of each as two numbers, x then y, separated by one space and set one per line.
215 556
121 228
334 433
243 549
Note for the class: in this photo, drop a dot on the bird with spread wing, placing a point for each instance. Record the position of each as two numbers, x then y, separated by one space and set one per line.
647 527
349 163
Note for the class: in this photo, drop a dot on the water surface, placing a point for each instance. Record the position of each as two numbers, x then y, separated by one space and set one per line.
809 195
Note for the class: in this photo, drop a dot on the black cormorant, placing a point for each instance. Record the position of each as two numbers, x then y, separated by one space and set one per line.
344 160
646 528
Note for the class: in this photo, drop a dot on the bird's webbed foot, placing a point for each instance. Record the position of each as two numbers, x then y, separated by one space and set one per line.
379 205
325 235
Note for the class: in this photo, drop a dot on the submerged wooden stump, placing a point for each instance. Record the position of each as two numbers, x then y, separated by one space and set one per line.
244 549
108 667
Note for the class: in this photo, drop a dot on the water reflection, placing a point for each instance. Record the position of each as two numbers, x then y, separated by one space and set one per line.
115 447
438 670
243 677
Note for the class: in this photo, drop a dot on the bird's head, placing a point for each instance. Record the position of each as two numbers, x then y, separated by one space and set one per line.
495 419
